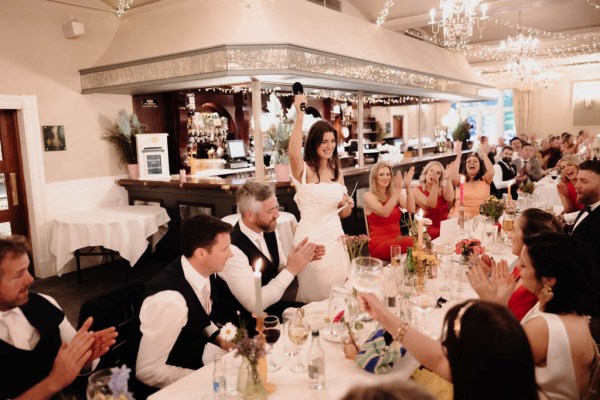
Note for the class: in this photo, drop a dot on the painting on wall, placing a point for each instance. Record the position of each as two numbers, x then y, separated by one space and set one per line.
586 103
54 137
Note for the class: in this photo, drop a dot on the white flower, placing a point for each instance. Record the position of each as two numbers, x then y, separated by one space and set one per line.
228 332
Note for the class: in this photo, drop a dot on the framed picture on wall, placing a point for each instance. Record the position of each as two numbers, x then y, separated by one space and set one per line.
54 137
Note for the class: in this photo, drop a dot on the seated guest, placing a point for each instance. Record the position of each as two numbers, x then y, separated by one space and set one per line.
435 194
174 318
397 390
506 174
552 154
558 269
255 238
483 350
479 176
587 224
516 144
506 288
528 165
40 352
568 145
381 205
569 166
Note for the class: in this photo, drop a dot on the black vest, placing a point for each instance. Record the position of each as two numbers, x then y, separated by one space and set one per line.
507 174
225 305
22 369
187 350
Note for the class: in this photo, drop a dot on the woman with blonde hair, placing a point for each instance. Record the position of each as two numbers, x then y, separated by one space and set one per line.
382 205
435 194
569 167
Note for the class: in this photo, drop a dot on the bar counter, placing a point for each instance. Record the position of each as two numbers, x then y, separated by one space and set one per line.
216 196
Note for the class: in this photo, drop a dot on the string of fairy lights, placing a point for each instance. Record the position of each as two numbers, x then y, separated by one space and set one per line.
323 94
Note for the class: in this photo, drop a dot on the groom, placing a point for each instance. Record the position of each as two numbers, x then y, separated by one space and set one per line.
254 239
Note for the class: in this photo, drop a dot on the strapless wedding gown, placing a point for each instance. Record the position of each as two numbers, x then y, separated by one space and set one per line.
320 222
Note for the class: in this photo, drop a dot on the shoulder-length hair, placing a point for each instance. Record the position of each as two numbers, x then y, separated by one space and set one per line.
426 168
373 178
486 348
313 140
482 170
536 221
569 261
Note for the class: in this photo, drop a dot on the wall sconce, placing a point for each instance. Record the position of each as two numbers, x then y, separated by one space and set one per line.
587 101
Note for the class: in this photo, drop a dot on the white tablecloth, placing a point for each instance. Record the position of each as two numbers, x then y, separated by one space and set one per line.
125 229
286 227
545 191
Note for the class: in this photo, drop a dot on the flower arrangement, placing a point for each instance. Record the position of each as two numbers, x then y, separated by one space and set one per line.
353 244
250 348
467 247
122 136
528 188
492 207
117 386
352 346
461 133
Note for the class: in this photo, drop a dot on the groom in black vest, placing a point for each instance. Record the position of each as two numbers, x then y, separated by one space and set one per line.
255 242
505 175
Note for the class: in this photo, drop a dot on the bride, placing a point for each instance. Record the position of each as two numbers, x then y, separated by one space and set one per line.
322 199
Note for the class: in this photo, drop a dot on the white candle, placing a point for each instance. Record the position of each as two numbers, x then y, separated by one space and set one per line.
509 196
462 189
258 288
420 230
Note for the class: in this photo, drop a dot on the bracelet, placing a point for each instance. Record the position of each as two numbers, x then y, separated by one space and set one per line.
400 332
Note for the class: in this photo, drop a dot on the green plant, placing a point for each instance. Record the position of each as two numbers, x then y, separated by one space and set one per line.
122 136
280 135
492 207
461 132
528 188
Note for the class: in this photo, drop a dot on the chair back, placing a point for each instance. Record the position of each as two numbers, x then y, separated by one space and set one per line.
593 391
120 308
366 222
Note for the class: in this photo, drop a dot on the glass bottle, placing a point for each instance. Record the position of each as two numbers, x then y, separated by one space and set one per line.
218 375
316 363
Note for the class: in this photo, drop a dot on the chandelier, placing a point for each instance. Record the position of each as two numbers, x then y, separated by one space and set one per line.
519 51
458 21
123 6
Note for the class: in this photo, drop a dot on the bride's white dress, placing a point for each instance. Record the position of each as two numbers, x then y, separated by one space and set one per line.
320 222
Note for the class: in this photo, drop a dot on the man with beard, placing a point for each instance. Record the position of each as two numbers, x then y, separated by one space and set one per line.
255 242
505 174
587 223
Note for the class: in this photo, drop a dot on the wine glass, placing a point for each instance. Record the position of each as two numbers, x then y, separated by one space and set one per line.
489 230
97 386
338 296
423 300
366 275
272 331
298 333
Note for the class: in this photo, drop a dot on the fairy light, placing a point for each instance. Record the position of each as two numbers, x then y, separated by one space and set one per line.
592 3
384 12
123 6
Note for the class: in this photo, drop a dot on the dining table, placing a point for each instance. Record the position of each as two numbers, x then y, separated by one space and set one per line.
341 374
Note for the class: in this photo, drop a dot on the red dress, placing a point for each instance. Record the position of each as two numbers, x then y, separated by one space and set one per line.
385 232
522 300
436 214
572 194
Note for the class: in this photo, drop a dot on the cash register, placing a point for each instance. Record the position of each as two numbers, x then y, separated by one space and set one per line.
237 154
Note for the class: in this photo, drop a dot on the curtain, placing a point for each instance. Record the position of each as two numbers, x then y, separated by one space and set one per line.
522 110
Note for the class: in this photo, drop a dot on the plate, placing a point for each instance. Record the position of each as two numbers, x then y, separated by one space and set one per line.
328 335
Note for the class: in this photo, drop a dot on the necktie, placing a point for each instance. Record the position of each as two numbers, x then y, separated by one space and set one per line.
206 297
524 166
588 209
262 246
10 319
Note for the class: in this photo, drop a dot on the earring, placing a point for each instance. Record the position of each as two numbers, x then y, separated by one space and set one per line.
546 292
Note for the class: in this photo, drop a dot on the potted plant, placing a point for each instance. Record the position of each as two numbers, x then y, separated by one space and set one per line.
462 134
122 136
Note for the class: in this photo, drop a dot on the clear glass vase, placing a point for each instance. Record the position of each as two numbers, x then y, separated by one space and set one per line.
250 384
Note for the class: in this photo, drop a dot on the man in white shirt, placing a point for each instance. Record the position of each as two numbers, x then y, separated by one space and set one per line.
529 165
40 352
178 335
255 241
505 174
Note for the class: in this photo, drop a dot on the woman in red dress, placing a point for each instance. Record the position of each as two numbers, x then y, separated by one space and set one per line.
569 166
435 195
382 207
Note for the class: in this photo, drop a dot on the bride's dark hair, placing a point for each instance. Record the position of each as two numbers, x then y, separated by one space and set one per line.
313 140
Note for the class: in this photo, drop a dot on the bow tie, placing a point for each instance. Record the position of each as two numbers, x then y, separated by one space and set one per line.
588 209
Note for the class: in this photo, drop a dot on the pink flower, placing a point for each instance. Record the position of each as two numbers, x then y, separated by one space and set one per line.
338 317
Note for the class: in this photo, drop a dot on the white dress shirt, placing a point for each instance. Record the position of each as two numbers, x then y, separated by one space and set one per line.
498 182
239 277
27 332
162 317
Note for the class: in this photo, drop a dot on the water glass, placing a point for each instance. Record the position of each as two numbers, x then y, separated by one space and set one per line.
395 255
338 297
290 348
232 369
366 275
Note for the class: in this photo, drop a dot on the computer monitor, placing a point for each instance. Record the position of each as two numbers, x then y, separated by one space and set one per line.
236 149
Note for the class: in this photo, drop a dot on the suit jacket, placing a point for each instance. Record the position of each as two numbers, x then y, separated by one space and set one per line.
588 231
534 168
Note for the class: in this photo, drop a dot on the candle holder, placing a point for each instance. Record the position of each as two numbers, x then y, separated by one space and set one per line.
262 362
461 216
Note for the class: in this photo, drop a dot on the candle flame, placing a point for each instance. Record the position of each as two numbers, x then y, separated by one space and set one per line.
462 179
258 265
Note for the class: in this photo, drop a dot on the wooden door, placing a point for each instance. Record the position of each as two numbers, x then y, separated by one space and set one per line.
397 131
13 204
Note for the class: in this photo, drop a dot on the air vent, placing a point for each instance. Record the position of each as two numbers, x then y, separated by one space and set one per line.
332 4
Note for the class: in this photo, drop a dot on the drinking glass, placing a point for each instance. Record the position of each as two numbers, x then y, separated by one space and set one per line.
97 387
272 331
366 274
445 266
338 296
298 333
423 300
406 288
489 231
507 226
290 348
395 255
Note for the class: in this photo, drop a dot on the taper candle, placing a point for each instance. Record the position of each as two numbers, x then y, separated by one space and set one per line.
258 288
462 189
420 230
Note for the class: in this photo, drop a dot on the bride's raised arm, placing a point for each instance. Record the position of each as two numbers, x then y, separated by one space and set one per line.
295 147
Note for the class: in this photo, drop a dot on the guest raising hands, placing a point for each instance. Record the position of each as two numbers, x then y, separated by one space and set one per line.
381 208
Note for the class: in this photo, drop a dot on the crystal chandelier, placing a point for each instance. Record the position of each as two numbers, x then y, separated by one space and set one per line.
458 21
519 51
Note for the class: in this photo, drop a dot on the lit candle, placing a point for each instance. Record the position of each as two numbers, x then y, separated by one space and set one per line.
420 230
432 16
509 196
258 288
462 189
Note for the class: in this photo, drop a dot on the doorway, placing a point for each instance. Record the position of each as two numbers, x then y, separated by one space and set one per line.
13 201
397 129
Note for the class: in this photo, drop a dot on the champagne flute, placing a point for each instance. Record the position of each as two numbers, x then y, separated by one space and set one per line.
507 226
272 331
298 333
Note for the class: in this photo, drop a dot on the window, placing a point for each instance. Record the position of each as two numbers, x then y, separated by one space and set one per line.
493 118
